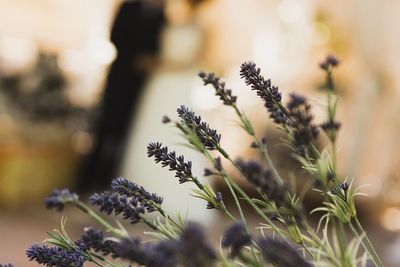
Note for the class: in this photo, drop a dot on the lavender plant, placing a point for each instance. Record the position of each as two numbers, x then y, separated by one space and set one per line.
290 241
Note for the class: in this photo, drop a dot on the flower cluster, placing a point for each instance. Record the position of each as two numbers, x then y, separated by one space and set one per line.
208 137
124 187
54 256
235 237
281 254
183 170
95 239
262 178
265 90
330 62
218 199
304 131
224 94
59 198
194 250
108 203
183 243
189 249
130 249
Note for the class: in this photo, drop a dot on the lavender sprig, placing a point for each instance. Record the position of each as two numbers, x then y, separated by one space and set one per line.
164 253
329 63
114 203
281 254
95 239
183 170
150 202
207 136
224 94
130 249
59 198
236 237
54 256
269 93
304 131
263 179
194 249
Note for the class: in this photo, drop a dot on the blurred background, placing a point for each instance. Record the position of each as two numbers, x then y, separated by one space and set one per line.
84 85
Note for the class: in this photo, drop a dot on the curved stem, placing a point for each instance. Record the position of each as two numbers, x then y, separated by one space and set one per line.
99 219
367 243
167 217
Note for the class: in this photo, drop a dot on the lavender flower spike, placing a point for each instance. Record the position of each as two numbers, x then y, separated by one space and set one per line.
54 256
59 198
281 254
183 170
235 237
262 178
127 188
207 136
330 62
194 250
95 239
265 90
114 203
6 265
224 94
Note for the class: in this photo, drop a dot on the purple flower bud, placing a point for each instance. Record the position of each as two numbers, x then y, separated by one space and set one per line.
54 256
59 198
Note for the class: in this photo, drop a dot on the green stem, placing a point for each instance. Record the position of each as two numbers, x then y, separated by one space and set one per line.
342 238
263 148
167 217
98 263
307 250
247 260
367 243
256 208
320 244
99 219
243 218
155 227
109 263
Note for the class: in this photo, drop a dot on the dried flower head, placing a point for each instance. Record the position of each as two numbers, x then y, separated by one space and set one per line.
281 254
166 119
183 170
207 136
194 250
127 188
130 249
114 203
331 127
218 199
330 62
59 198
224 94
269 93
261 178
304 131
54 256
94 239
235 237
164 253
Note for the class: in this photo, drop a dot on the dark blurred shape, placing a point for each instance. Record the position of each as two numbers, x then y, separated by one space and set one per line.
135 34
39 94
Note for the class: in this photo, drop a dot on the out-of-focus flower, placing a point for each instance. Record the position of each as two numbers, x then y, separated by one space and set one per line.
54 256
59 198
